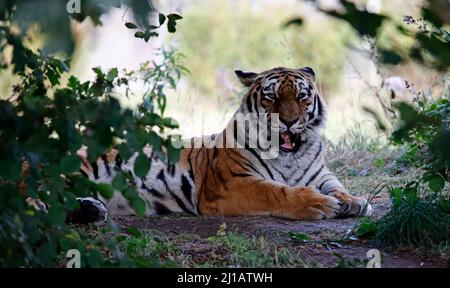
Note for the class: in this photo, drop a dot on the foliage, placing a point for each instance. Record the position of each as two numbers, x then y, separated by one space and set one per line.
420 215
51 16
420 210
44 123
150 31
431 39
413 221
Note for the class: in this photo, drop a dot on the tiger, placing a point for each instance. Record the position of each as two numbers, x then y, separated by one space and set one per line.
211 180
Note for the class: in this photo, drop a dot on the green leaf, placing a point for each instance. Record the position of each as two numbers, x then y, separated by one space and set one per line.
70 164
112 74
396 195
139 34
151 119
124 151
138 205
366 23
437 48
173 154
171 26
366 228
436 183
295 21
440 144
444 205
130 25
121 238
172 22
52 170
142 165
162 18
105 190
119 182
53 77
10 170
57 214
299 237
148 35
134 231
389 56
170 123
174 16
94 258
154 140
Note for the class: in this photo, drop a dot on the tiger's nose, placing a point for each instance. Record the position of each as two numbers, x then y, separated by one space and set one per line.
289 123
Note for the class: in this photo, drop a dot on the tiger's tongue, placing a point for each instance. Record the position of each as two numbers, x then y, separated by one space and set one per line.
287 140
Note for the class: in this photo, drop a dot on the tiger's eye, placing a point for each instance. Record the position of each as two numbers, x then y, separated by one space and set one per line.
303 97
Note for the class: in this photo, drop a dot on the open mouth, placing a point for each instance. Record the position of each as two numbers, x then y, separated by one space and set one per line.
289 142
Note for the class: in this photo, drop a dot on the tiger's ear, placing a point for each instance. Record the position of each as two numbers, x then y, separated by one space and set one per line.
309 71
246 78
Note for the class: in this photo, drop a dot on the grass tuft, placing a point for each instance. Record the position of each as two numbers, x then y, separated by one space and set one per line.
418 224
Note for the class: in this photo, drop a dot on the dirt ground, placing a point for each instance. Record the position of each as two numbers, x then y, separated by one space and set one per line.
361 169
320 252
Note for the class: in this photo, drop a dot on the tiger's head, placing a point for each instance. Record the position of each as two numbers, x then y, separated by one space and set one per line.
291 93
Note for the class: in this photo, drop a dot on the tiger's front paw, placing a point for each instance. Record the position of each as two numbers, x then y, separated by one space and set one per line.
319 206
352 206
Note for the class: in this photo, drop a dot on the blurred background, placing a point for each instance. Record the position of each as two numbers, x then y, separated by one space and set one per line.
218 37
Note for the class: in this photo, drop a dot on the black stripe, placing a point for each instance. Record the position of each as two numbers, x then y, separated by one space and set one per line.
279 172
186 187
105 161
319 106
274 76
190 160
171 169
84 173
314 175
160 209
321 185
261 161
191 175
174 196
152 191
324 175
255 100
311 114
248 164
257 156
119 162
310 163
249 103
160 176
95 169
316 122
234 174
318 119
